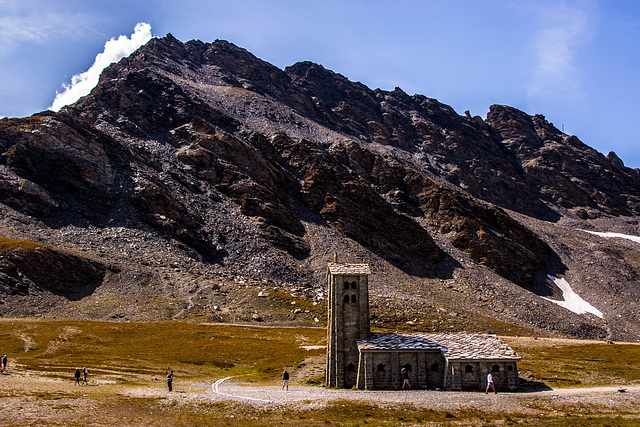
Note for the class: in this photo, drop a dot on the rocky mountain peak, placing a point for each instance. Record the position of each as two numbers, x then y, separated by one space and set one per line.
614 159
251 170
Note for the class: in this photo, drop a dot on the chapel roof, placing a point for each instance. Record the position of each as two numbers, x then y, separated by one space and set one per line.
348 269
398 342
459 346
474 346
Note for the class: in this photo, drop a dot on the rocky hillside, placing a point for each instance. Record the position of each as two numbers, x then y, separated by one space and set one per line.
198 171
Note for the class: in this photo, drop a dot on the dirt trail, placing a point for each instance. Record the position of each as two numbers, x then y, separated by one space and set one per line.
191 294
300 396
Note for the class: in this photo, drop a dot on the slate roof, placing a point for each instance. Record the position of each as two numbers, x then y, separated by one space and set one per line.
453 346
347 269
474 346
398 342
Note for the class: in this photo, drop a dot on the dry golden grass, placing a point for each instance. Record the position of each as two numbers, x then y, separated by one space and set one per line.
436 322
12 244
127 350
126 356
577 363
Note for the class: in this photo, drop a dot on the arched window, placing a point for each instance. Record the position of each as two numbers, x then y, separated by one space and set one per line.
353 285
407 367
346 299
351 367
346 285
434 367
468 369
381 368
353 298
495 368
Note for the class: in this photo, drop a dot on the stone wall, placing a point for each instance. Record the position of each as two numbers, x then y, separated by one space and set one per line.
381 370
472 375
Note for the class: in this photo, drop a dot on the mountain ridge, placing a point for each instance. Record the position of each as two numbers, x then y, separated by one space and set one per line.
266 172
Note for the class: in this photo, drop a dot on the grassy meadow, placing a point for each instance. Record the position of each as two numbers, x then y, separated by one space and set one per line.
126 356
561 363
134 351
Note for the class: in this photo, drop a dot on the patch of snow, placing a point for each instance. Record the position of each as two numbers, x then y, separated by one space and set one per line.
620 235
572 301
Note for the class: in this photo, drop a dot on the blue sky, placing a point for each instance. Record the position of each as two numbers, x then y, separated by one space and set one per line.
575 61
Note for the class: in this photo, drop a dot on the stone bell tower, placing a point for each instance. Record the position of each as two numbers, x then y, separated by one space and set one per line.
348 321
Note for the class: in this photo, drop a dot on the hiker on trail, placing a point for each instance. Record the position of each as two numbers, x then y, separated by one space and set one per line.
4 363
285 379
170 379
85 371
405 378
490 384
77 376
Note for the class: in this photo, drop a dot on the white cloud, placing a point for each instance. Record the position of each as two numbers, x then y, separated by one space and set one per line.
555 72
37 22
114 50
16 29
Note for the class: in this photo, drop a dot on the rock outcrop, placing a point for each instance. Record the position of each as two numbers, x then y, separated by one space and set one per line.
27 267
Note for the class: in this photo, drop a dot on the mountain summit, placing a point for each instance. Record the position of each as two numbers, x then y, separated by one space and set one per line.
202 155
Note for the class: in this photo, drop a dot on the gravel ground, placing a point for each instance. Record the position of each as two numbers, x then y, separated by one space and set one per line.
304 396
30 399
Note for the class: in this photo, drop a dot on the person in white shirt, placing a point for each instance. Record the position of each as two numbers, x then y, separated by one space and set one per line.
490 384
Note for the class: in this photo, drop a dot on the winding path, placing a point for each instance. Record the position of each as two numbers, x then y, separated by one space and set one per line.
318 396
189 299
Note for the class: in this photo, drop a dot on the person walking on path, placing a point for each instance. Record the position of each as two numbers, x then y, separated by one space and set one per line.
4 363
85 372
490 384
285 379
405 378
170 379
77 376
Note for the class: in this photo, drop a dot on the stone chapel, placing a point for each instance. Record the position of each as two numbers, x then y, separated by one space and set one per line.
357 358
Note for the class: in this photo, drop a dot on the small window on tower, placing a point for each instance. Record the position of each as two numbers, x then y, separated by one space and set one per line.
381 367
353 298
495 368
407 367
434 367
468 369
346 299
351 367
353 285
509 368
346 285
